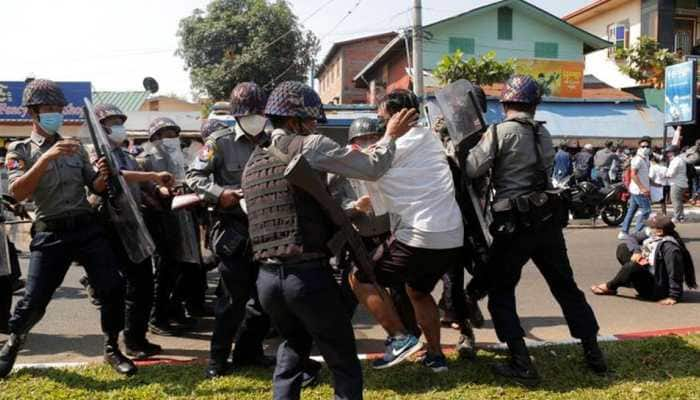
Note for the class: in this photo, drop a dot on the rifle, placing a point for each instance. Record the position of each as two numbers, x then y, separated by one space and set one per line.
102 151
300 174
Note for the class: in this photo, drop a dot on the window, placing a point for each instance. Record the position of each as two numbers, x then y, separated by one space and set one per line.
619 36
505 23
464 44
546 50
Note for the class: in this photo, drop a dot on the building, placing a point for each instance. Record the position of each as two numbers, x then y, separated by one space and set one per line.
343 61
674 24
543 46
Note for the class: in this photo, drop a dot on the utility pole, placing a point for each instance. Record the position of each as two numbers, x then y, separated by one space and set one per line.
417 49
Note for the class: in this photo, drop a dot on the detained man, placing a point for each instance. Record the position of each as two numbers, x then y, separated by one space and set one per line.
427 235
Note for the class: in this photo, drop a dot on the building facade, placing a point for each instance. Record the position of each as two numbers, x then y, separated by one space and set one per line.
343 61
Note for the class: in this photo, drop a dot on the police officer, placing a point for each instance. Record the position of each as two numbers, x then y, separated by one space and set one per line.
289 232
54 172
163 135
139 276
527 225
216 175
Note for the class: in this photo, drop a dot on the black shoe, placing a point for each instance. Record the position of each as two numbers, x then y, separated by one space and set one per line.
8 353
164 329
519 368
466 347
118 361
200 310
475 316
218 369
260 361
594 356
142 349
180 318
18 285
311 372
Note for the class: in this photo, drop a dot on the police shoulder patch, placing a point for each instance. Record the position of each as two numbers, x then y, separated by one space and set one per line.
206 153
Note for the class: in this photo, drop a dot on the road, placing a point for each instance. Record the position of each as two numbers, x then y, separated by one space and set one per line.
70 330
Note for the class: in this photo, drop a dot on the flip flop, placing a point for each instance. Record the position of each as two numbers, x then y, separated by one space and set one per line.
598 290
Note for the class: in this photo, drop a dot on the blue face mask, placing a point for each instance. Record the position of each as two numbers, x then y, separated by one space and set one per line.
51 122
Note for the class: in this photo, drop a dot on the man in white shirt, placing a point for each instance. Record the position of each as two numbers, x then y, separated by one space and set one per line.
640 189
678 178
428 234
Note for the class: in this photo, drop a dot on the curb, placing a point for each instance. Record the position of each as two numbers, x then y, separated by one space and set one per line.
371 356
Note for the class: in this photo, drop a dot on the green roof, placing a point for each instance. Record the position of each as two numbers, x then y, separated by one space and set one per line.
126 101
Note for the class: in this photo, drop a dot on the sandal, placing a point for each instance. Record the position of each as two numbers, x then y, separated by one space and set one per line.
602 290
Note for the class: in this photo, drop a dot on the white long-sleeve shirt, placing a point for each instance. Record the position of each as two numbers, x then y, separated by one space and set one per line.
418 192
676 172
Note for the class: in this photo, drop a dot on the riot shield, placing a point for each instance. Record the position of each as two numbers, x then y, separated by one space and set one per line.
461 110
121 206
186 247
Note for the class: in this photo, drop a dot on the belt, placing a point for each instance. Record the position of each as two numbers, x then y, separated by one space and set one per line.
296 263
63 224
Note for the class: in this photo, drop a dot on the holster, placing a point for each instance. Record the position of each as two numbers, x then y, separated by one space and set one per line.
528 212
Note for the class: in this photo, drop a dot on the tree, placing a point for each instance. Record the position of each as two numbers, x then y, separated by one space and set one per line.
244 40
645 62
485 70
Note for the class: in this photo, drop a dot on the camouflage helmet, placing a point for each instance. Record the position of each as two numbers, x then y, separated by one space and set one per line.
161 123
221 108
295 99
43 92
521 89
106 110
363 127
247 98
210 126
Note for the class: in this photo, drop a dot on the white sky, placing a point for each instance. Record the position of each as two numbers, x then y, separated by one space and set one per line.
115 44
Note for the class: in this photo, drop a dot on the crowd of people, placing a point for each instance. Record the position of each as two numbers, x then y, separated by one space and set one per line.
400 184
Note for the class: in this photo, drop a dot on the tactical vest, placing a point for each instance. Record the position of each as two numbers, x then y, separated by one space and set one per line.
284 222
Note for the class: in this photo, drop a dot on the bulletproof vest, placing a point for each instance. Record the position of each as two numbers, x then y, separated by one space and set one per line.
284 222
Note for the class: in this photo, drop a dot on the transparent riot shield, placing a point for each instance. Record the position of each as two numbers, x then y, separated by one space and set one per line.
121 206
186 240
461 110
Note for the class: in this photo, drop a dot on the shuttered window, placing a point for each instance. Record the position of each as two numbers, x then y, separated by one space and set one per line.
505 23
546 50
464 44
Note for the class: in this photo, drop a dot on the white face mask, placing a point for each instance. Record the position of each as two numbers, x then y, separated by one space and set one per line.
644 152
117 134
169 145
253 124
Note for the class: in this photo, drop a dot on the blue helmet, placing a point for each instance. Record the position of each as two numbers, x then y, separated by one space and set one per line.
295 99
521 89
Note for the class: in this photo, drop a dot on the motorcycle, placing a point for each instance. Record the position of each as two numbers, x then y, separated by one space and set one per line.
591 200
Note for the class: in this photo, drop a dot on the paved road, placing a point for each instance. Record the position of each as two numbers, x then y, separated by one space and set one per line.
70 330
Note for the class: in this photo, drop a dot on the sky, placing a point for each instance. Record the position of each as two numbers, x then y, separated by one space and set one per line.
115 44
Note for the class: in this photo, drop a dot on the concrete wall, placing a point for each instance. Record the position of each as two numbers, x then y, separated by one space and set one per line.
483 28
598 63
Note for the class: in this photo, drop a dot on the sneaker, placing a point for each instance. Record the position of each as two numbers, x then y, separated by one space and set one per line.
622 236
398 348
466 347
438 363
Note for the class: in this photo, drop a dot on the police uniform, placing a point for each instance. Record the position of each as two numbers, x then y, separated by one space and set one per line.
218 167
65 230
528 225
289 232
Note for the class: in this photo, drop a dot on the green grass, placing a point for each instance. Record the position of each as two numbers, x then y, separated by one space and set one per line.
660 368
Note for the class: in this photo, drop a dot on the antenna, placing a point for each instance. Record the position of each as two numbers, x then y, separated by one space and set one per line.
150 84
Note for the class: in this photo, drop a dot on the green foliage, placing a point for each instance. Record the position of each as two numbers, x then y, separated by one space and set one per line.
645 61
658 368
485 70
230 43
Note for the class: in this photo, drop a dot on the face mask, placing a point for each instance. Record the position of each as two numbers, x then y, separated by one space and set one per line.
253 125
51 122
644 152
169 145
117 134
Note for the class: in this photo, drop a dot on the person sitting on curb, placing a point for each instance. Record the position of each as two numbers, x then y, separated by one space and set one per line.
655 263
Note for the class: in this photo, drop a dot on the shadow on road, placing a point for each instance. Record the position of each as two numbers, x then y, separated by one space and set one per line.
44 344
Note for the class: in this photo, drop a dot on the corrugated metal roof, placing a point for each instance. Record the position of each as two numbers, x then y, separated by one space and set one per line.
126 101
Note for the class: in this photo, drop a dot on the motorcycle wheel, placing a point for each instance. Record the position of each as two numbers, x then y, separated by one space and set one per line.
613 214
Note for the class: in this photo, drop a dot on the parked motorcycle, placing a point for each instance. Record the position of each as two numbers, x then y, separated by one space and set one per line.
591 200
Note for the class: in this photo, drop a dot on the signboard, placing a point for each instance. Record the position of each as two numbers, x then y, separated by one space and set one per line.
679 95
558 78
11 100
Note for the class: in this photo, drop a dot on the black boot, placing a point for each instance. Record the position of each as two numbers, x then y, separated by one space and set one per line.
8 353
594 356
141 349
519 367
118 361
217 368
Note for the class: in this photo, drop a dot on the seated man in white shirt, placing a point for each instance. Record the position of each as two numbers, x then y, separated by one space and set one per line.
428 235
